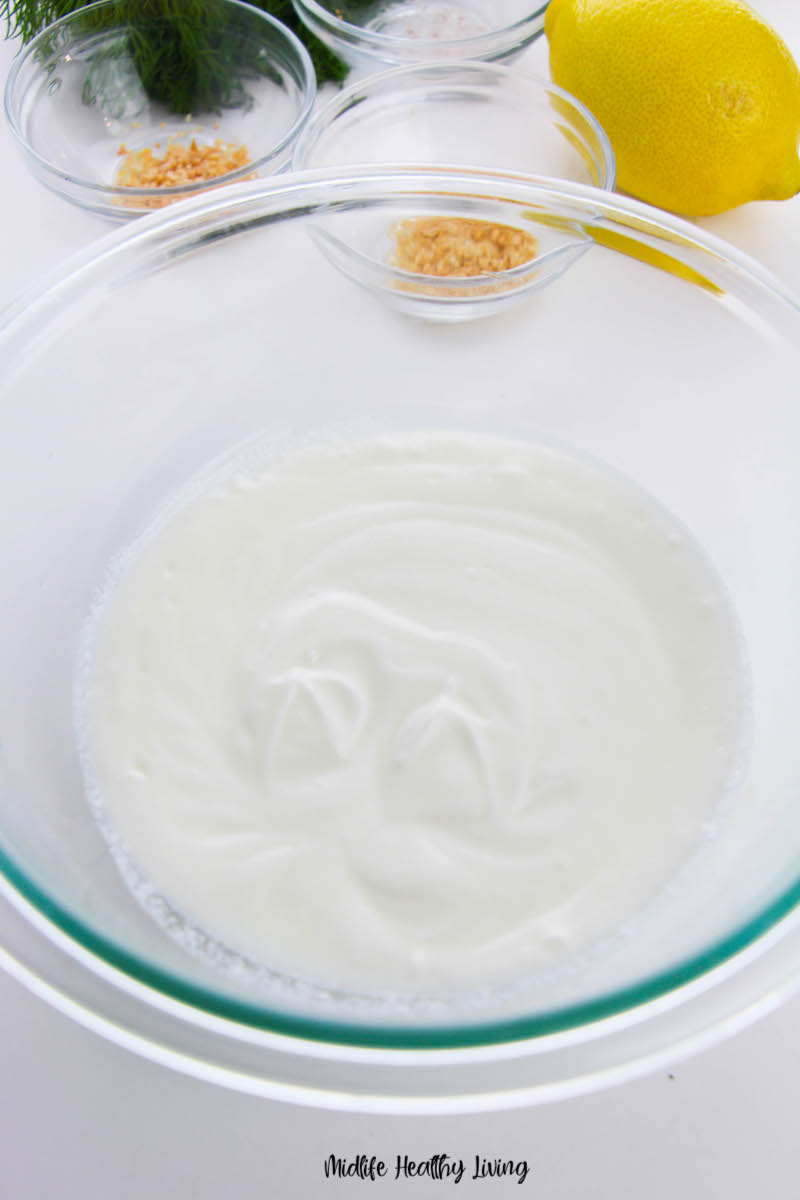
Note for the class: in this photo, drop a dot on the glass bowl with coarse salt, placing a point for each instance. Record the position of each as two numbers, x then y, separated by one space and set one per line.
374 34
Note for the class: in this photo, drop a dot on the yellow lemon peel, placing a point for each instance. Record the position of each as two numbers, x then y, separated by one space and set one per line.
700 98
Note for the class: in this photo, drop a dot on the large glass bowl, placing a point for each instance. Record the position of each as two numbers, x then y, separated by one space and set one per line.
664 353
370 34
120 79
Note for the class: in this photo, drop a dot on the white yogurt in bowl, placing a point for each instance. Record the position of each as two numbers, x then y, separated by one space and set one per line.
412 714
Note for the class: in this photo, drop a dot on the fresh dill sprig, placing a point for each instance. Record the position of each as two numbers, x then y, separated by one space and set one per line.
177 46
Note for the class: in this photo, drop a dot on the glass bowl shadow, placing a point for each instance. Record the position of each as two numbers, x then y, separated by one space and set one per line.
120 77
453 115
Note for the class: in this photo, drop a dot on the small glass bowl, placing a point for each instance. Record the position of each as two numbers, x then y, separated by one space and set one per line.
455 115
90 90
369 35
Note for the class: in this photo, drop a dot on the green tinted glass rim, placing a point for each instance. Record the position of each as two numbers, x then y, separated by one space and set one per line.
345 1033
301 195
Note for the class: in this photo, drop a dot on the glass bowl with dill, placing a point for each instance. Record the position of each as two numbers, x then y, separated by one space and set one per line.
128 105
443 266
370 34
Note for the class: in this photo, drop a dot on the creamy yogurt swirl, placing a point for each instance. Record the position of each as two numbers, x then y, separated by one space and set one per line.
414 713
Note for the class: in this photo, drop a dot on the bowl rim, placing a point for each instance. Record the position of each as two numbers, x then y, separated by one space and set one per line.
308 96
439 72
499 41
167 235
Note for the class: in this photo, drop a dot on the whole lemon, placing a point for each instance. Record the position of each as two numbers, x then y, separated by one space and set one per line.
700 98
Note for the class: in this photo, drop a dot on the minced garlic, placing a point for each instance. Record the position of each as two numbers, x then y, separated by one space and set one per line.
179 164
459 246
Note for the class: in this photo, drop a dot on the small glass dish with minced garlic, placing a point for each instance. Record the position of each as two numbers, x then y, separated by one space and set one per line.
122 107
437 262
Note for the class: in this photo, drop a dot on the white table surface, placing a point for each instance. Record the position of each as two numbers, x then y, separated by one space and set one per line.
81 1119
